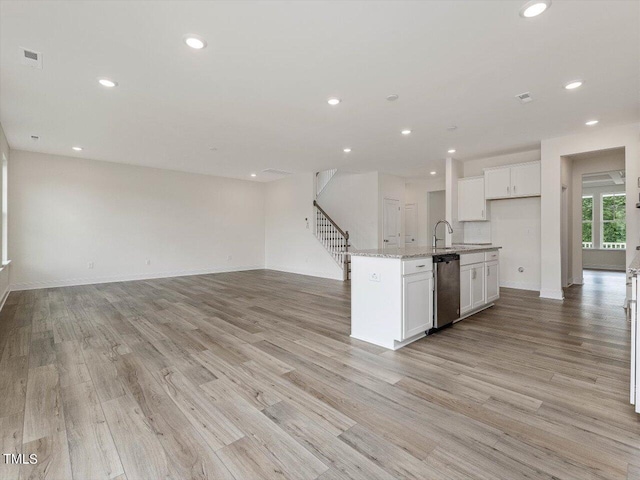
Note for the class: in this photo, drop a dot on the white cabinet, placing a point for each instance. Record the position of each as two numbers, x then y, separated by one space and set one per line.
417 309
478 285
472 287
525 180
466 290
471 202
479 281
497 183
512 181
492 281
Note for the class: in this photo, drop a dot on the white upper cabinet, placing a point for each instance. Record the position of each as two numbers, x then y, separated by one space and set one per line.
497 183
512 181
525 180
471 203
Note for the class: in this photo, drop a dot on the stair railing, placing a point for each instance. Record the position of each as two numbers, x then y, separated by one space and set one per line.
334 239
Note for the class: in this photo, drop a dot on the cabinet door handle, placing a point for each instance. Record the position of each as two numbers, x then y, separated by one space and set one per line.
488 270
473 274
508 189
514 189
482 214
420 266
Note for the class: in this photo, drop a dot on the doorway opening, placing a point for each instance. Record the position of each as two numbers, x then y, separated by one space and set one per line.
596 221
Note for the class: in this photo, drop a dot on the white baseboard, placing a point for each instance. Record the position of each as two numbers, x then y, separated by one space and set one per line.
617 268
72 282
312 273
521 285
552 294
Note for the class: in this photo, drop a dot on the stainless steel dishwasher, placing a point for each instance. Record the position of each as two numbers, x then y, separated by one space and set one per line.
446 295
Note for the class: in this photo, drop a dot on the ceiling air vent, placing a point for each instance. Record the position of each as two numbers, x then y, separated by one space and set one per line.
524 97
31 58
275 171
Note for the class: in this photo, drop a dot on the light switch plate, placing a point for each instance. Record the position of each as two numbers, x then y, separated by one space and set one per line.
374 277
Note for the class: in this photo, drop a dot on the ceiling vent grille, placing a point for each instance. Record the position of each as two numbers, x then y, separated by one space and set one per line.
524 97
31 58
275 171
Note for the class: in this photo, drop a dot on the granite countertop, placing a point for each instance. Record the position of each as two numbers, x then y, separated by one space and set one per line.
423 251
634 268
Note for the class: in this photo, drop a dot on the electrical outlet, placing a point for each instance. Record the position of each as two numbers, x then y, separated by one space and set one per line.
90 265
374 277
230 257
148 261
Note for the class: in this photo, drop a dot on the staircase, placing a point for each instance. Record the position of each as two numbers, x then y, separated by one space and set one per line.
334 239
323 178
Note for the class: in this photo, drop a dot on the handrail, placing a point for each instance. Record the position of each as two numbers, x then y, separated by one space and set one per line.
344 234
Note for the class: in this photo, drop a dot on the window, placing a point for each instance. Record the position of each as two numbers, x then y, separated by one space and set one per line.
587 221
614 231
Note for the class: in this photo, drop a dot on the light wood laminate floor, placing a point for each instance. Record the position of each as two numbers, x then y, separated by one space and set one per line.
253 375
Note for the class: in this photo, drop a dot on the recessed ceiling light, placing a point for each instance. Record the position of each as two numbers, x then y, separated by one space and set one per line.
333 101
346 150
451 150
393 97
534 8
406 132
573 85
77 149
254 175
451 128
105 82
195 41
433 173
591 122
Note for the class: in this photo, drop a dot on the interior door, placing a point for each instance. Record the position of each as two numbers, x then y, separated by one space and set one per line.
410 224
391 223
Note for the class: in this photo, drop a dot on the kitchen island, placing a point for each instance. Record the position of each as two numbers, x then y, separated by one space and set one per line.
392 290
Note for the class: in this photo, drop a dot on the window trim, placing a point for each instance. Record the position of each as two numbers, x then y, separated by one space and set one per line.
592 247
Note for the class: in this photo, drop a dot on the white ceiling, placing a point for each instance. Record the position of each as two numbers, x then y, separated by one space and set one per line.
258 92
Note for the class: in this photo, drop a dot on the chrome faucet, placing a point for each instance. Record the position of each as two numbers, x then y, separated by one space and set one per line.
434 243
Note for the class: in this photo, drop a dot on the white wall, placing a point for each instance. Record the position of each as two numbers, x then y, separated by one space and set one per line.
515 226
351 200
474 168
290 244
67 212
594 139
417 191
608 161
454 171
4 269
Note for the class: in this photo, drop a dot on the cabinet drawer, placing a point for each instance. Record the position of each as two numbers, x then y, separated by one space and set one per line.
417 266
491 256
469 258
